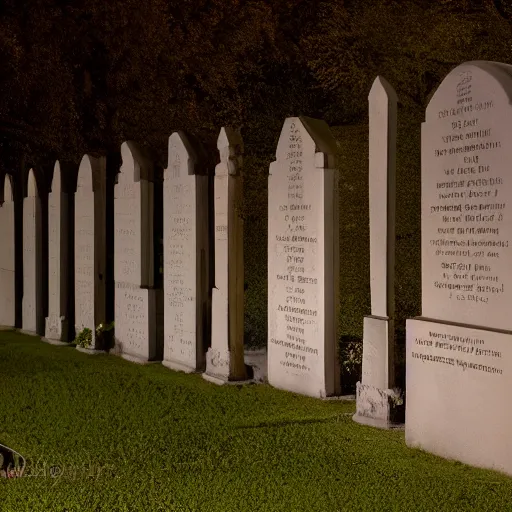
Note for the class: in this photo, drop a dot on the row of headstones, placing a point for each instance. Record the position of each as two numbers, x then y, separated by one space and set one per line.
458 352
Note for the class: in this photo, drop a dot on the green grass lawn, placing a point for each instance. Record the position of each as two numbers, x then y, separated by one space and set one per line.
129 437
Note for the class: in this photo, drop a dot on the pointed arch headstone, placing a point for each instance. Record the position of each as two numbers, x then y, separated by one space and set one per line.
375 393
225 357
459 352
186 221
303 255
57 321
32 303
135 309
7 274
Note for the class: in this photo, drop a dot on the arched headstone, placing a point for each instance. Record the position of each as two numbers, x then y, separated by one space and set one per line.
7 283
185 257
84 249
303 255
460 351
225 357
32 304
135 311
57 326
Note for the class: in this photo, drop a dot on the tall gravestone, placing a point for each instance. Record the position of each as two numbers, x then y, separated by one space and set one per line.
56 325
303 260
459 352
375 396
225 357
7 276
135 309
32 304
90 241
186 221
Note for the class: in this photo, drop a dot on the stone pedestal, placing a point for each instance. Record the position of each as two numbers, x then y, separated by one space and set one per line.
303 261
186 257
7 283
377 404
457 385
135 300
32 305
225 358
56 323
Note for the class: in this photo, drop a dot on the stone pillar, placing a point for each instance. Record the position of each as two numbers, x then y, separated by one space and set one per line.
32 304
135 308
57 326
225 357
90 254
375 396
303 261
7 275
186 257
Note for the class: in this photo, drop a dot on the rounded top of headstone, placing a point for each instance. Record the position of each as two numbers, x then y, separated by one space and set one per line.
84 180
56 180
8 195
134 160
306 136
383 90
181 152
31 184
470 86
231 147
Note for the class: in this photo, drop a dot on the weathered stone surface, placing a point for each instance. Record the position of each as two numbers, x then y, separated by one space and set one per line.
7 293
225 358
185 257
303 260
56 324
32 304
135 309
84 249
458 358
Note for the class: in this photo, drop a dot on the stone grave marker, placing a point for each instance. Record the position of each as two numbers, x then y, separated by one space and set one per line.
186 221
375 396
7 297
135 309
225 357
32 304
56 325
303 260
459 353
84 249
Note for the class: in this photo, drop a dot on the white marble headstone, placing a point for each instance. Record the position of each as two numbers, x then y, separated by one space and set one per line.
7 294
32 304
56 327
303 255
466 219
84 249
185 257
135 320
458 355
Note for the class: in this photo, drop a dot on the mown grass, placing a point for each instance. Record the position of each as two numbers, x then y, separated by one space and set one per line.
127 437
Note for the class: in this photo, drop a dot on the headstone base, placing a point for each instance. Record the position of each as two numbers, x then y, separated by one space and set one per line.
458 388
91 351
56 328
55 342
378 408
28 333
7 328
179 367
137 359
222 382
218 365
